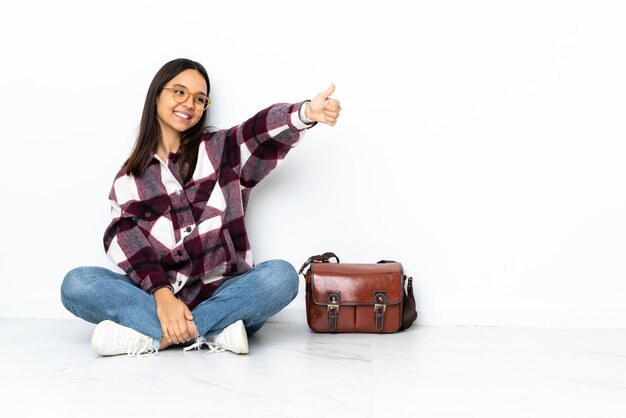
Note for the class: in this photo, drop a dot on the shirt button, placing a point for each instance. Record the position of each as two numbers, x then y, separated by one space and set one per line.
177 192
179 252
188 229
147 214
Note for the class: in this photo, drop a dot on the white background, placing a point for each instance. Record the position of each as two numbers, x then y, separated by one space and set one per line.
481 143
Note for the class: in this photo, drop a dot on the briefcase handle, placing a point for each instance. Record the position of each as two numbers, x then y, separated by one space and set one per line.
324 258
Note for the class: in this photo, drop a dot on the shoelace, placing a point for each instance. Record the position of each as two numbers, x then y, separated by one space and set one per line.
141 348
213 346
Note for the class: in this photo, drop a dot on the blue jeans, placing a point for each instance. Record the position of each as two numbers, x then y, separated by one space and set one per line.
96 293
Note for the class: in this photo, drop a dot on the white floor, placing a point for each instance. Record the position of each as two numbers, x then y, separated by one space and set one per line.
48 370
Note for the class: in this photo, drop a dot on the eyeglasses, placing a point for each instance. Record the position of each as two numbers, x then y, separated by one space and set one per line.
180 94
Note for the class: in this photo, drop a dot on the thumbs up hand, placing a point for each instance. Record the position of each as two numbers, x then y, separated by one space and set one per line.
323 109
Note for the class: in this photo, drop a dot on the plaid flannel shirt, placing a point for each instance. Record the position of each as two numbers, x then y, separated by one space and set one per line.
193 237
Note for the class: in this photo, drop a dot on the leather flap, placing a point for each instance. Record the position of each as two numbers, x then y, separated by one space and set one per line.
356 282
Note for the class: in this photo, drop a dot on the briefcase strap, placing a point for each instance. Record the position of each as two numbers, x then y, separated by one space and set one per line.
333 303
324 258
380 307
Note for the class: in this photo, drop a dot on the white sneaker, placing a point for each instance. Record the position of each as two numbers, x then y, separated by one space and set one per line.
111 339
233 338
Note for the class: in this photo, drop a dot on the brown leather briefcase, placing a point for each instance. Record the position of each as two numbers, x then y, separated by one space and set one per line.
370 298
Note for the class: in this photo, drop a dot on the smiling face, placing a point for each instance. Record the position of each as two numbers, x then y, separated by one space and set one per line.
175 118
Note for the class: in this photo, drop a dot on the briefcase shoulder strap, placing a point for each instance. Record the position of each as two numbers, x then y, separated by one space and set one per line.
324 258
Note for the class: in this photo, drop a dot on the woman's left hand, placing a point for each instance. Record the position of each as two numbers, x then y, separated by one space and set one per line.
323 109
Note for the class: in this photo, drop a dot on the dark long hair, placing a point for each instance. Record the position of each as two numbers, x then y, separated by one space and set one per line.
150 131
